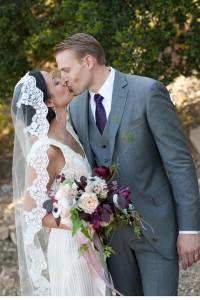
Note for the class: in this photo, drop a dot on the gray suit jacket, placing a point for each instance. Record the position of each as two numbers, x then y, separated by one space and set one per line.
148 144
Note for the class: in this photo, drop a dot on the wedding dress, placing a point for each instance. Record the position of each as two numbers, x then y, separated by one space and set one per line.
69 273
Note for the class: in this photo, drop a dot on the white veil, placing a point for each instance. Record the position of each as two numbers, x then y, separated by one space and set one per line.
29 114
30 157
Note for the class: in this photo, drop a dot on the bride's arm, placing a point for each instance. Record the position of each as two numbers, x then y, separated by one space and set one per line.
53 170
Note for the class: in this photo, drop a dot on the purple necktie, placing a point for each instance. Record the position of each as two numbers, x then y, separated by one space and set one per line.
100 113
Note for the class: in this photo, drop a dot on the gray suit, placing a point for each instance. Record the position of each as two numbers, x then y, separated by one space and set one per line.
144 137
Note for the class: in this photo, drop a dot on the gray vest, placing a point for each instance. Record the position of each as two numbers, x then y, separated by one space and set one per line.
99 143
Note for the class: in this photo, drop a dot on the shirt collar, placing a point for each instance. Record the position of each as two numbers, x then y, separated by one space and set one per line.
107 87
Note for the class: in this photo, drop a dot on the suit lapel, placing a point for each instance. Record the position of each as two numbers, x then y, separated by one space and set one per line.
119 97
84 120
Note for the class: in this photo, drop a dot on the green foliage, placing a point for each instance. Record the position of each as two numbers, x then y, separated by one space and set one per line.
6 131
107 252
83 248
158 38
76 222
86 232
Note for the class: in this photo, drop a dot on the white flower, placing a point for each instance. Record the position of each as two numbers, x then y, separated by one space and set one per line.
130 207
115 200
56 210
88 202
74 191
65 192
89 188
96 185
65 207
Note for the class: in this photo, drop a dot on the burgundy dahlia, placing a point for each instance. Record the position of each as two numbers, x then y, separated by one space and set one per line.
102 172
125 193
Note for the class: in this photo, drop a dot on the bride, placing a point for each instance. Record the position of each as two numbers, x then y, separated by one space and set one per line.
45 147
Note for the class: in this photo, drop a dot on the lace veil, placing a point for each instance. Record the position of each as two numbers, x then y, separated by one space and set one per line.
30 156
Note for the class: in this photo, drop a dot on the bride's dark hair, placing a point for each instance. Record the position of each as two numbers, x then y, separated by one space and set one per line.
29 111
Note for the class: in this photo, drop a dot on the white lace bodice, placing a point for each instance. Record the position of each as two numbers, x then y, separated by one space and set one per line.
75 164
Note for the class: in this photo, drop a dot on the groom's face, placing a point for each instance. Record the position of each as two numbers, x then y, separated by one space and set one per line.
76 72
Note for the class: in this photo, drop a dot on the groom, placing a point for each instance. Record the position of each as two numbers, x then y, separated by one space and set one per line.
130 120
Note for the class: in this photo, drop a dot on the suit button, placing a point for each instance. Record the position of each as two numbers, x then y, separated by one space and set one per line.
104 146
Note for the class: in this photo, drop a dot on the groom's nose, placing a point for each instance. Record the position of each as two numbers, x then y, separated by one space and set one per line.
63 82
63 76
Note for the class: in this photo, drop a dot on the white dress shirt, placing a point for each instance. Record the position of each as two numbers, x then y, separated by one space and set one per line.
106 91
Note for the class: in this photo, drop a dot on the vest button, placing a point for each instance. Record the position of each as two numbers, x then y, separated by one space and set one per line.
103 146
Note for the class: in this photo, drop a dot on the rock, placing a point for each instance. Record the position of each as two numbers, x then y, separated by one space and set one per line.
5 189
195 138
12 234
9 282
4 232
13 237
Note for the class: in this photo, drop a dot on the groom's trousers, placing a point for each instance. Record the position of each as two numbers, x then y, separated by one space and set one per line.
138 269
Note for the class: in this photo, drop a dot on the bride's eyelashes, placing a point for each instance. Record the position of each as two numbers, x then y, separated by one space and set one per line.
55 81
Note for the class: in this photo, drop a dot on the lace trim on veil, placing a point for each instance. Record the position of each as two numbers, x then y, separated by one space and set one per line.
37 158
35 257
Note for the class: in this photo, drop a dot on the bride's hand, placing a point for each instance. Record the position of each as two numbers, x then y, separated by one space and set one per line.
63 226
50 222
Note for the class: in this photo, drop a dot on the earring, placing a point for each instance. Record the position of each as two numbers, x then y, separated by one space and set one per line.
55 112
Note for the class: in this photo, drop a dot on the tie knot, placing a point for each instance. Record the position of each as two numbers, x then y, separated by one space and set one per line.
98 98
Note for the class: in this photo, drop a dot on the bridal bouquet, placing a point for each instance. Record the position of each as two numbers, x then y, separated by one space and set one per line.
96 204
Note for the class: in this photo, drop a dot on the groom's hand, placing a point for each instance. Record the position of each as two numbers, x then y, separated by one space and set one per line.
188 246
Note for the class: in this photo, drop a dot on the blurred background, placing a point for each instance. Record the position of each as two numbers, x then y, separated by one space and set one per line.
155 38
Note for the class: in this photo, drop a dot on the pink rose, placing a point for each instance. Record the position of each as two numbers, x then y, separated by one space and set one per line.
88 202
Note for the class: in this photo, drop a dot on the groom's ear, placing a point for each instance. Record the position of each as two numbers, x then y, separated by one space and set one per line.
89 61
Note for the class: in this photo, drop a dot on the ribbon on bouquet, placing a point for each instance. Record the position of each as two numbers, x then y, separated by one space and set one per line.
94 263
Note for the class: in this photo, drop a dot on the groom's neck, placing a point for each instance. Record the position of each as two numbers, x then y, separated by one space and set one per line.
101 73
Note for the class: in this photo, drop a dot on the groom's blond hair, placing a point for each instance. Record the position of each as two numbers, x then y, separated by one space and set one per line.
82 44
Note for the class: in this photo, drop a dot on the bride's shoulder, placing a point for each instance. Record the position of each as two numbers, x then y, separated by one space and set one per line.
40 143
41 148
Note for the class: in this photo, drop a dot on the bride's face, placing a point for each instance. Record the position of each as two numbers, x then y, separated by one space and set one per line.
60 96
